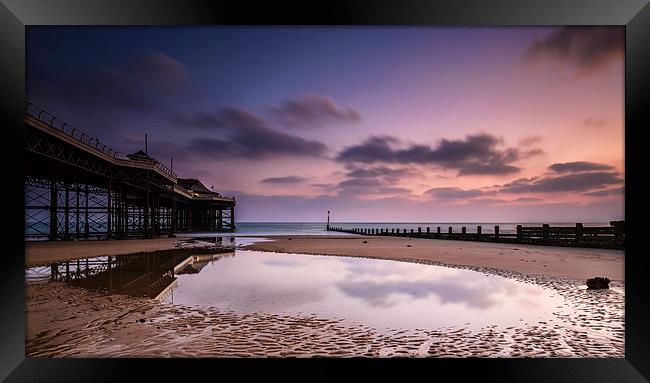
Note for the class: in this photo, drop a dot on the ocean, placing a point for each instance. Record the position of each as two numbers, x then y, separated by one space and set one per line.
319 228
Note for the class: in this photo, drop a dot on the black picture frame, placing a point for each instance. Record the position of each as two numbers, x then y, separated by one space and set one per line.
15 15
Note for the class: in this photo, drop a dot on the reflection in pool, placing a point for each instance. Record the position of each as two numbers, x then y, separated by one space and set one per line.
379 293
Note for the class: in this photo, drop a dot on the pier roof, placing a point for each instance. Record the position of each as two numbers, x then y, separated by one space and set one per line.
195 186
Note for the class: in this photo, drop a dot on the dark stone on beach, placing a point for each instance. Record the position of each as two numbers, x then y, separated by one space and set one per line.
409 246
598 283
141 320
365 241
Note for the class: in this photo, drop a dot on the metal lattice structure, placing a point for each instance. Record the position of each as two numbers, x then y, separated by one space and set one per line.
77 187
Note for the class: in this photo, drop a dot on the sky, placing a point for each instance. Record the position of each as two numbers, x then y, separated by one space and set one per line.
398 124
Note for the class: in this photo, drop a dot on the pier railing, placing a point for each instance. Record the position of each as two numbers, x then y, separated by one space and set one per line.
89 141
608 237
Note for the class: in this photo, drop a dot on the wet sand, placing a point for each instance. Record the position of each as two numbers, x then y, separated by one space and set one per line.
578 263
66 321
43 253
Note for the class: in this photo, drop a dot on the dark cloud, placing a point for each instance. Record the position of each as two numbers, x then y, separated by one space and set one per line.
101 91
324 186
606 192
373 181
244 135
577 182
530 140
313 111
585 47
578 166
368 187
108 88
284 180
453 193
386 173
476 154
159 70
594 122
528 199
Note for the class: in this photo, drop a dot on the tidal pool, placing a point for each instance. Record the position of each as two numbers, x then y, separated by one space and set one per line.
310 305
376 293
381 294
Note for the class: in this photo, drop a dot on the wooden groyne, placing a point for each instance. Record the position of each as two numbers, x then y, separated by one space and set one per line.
605 237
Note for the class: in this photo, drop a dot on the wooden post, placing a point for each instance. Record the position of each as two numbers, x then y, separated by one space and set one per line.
545 233
449 229
464 231
438 232
404 231
110 274
619 233
411 231
54 271
478 232
428 230
496 233
578 236
419 230
519 234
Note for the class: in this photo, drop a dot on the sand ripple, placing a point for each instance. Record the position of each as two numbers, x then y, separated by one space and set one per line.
64 321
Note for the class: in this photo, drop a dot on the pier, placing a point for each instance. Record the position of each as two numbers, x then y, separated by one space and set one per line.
76 187
606 237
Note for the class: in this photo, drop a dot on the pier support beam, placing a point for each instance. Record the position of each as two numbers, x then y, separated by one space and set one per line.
109 218
66 211
54 196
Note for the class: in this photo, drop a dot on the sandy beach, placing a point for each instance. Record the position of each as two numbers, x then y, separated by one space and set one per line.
577 263
43 253
66 321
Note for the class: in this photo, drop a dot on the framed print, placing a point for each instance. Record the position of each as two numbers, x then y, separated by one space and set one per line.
448 186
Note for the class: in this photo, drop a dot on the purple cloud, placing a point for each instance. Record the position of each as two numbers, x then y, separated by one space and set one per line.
313 111
594 122
606 192
585 47
242 134
159 70
284 180
453 193
578 166
476 154
577 182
